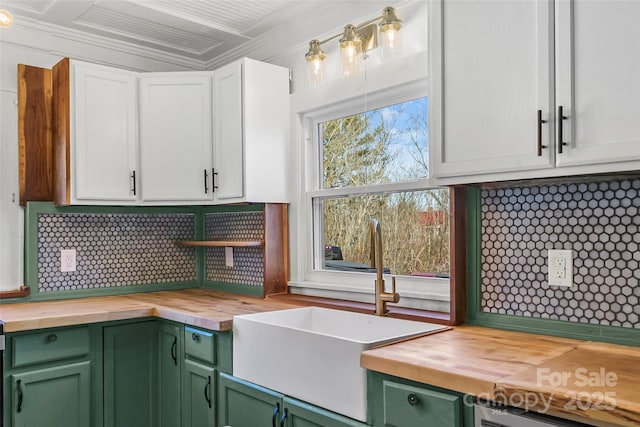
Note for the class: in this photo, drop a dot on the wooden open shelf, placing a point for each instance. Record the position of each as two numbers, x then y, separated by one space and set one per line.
209 243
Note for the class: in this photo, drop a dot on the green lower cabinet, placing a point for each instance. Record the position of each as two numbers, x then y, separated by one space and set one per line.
301 414
52 397
396 402
198 395
130 373
243 404
169 374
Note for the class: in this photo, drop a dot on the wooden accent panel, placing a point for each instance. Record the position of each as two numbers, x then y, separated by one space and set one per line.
18 293
276 248
458 256
61 134
34 134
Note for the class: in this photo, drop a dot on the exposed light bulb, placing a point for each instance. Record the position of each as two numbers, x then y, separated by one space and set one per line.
6 18
315 72
350 51
351 60
391 44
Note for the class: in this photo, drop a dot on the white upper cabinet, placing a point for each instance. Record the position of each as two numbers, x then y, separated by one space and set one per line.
103 143
504 69
176 137
197 137
251 122
495 54
228 153
598 81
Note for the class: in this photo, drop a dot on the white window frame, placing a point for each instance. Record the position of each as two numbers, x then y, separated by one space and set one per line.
416 292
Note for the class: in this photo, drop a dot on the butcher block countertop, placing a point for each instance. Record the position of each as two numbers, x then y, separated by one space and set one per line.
581 380
576 379
198 307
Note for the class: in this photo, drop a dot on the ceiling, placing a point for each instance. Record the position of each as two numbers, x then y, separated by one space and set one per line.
199 32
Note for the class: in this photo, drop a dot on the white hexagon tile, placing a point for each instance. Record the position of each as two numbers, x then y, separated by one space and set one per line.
599 221
114 250
248 262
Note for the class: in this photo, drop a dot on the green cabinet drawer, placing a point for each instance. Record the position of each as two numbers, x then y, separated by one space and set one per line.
50 345
408 406
199 344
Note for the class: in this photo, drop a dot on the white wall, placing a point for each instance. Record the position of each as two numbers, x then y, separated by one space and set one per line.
43 48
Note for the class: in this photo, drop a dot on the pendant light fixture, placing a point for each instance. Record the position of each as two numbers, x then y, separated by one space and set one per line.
350 51
355 41
315 63
389 29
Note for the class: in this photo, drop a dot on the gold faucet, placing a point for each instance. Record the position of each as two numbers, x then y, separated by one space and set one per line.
375 245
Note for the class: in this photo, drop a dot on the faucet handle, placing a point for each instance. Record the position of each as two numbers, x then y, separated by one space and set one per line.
396 296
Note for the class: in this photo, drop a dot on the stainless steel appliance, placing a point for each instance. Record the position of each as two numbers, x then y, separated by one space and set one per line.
503 416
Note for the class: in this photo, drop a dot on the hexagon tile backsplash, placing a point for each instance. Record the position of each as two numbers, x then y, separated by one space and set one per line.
114 250
248 262
599 221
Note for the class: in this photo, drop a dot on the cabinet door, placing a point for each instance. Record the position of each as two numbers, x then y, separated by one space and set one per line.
228 156
243 404
169 357
496 73
52 397
103 122
175 137
300 414
598 81
407 406
198 395
130 368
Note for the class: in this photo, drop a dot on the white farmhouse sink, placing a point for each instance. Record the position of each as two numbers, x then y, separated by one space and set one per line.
313 353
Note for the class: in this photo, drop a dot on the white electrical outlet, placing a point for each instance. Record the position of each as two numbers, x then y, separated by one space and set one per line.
228 256
560 265
67 260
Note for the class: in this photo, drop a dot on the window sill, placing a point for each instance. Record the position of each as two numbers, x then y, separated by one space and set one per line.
18 293
362 307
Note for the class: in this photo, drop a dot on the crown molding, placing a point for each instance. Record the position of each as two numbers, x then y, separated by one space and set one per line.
43 29
287 36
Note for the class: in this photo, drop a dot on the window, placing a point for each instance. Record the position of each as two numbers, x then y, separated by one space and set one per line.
369 159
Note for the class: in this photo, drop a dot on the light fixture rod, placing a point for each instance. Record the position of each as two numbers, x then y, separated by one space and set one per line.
358 27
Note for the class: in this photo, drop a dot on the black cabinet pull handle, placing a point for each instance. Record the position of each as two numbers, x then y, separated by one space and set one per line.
174 348
276 409
20 396
206 182
284 417
412 399
207 387
52 338
213 177
133 178
195 337
561 118
540 122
